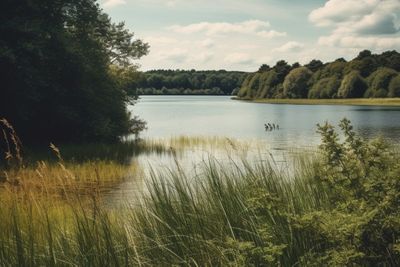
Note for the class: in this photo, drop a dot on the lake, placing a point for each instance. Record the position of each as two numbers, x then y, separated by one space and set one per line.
218 118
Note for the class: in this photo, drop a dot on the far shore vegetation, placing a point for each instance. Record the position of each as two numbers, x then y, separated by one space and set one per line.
366 76
189 82
341 101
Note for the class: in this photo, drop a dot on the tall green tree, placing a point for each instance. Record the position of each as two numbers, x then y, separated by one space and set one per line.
55 59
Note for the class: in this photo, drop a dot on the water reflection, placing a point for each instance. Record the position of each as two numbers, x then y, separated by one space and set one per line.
220 118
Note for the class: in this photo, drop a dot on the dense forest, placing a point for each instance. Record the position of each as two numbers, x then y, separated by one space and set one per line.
190 82
66 71
368 75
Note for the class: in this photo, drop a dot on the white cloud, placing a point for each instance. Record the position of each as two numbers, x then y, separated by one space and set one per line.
359 16
239 58
241 46
159 40
203 57
271 34
113 3
255 27
172 3
337 11
361 42
291 46
175 55
373 24
207 43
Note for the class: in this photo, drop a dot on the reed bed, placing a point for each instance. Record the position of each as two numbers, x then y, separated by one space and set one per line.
338 207
201 220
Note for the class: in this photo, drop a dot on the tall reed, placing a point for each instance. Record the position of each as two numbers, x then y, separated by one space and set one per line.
336 208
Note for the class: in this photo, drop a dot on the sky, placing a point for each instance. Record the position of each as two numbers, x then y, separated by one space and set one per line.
243 34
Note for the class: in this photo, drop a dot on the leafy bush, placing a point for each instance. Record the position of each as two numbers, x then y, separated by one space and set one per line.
363 228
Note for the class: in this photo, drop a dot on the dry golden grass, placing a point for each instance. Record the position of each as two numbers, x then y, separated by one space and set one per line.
181 143
58 179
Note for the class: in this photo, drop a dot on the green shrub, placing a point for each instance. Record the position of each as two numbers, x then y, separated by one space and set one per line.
363 228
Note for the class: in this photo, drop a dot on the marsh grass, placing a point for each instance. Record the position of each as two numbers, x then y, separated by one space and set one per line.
200 220
51 180
338 207
229 214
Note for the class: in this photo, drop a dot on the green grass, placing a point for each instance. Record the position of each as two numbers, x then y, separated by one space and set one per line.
349 101
338 207
185 220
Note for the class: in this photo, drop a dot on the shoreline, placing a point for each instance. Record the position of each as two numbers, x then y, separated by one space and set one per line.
344 102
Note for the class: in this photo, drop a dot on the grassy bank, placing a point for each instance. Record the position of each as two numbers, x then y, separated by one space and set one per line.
349 101
338 208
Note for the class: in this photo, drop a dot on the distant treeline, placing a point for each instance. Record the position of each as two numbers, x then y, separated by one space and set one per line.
368 75
190 82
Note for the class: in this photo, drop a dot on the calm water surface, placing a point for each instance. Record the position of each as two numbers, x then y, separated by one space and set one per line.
220 116
172 116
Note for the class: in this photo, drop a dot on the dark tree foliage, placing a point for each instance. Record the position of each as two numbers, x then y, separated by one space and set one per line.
367 75
55 58
314 65
295 65
264 68
282 68
364 54
390 59
177 82
340 60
